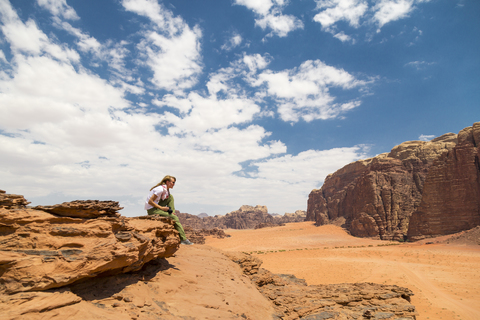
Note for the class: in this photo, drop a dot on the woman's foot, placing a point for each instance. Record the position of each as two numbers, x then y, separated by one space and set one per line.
186 241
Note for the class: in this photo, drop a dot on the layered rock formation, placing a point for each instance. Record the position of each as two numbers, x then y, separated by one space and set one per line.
198 236
437 182
41 250
87 209
12 201
247 217
294 299
451 193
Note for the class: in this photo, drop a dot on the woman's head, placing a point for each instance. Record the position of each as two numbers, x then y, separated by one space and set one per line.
170 179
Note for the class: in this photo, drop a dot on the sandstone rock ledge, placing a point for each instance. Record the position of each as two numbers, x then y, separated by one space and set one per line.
41 250
294 299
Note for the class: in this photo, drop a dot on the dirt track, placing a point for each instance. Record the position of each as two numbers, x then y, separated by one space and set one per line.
445 278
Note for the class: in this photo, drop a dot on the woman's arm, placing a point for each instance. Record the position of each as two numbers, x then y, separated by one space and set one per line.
152 202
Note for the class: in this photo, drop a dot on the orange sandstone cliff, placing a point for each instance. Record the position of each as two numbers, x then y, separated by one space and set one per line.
420 189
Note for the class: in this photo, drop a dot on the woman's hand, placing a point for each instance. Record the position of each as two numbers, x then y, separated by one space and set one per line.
152 202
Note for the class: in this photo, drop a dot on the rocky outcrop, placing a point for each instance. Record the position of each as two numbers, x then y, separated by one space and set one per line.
41 250
12 201
197 236
297 216
83 209
420 189
294 299
451 193
198 282
247 217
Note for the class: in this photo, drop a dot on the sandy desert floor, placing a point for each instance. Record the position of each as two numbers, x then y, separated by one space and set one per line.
444 277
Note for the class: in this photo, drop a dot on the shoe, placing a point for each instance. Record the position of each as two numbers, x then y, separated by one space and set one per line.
187 242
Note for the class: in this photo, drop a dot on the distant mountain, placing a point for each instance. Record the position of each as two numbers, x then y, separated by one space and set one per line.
247 217
419 189
202 215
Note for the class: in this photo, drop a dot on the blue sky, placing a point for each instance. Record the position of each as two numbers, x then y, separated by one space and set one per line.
244 101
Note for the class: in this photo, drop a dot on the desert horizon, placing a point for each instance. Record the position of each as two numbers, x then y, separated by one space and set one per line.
443 276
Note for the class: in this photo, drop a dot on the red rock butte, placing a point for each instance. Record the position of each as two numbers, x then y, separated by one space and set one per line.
417 190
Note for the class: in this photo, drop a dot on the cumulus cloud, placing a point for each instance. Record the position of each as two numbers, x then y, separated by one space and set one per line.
172 48
392 10
207 112
111 53
358 12
343 37
260 7
270 16
294 176
332 11
303 92
29 39
59 8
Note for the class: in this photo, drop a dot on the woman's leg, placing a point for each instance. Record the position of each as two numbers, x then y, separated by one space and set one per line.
178 226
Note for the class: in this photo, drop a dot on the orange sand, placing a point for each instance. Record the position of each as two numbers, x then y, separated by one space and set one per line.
444 278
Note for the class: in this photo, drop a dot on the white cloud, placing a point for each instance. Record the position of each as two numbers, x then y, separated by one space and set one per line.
426 137
255 62
112 53
280 24
361 12
343 37
303 93
269 16
392 10
59 8
44 91
207 113
337 10
419 65
175 62
27 38
294 176
260 7
157 13
172 49
234 41
310 166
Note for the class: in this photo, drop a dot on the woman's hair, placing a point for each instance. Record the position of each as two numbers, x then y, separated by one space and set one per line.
164 181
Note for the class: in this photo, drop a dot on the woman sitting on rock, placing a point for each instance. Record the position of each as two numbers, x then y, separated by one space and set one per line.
160 202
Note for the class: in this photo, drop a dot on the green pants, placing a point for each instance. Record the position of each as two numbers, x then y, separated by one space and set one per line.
169 202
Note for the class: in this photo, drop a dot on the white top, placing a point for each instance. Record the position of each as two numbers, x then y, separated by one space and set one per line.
161 192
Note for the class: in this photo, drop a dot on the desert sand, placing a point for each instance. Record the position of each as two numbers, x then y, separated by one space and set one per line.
444 277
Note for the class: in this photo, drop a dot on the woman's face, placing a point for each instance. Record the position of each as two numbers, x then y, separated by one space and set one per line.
170 184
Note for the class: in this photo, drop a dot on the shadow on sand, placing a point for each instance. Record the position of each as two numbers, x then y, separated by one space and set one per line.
107 285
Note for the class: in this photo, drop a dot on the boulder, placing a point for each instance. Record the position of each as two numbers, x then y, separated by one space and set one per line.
40 250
